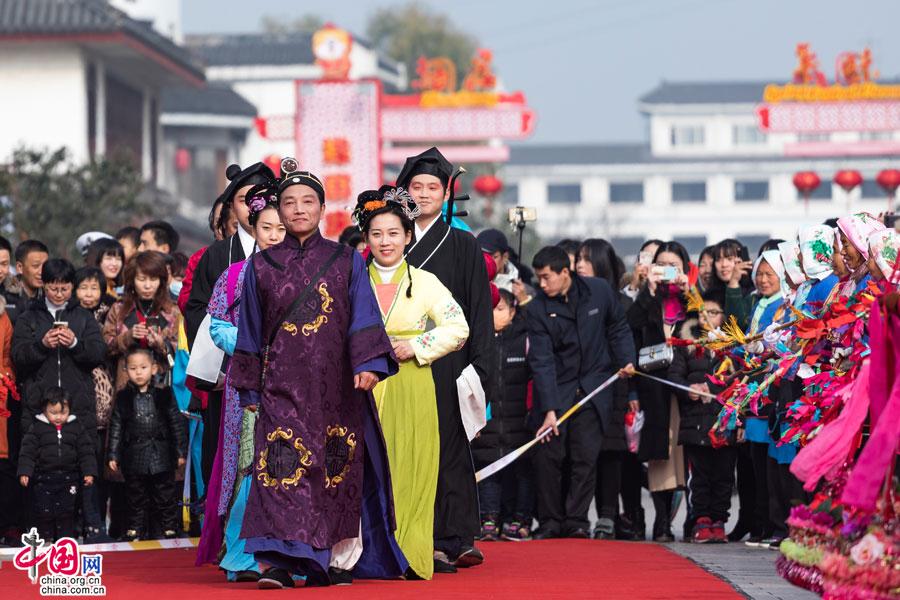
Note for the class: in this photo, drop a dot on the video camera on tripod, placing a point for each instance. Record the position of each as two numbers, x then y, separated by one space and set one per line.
519 216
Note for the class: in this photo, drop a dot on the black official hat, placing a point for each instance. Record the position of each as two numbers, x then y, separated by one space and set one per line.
492 240
292 175
430 162
255 174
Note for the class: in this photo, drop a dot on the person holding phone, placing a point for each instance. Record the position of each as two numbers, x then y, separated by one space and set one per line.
731 277
57 343
641 268
145 316
658 312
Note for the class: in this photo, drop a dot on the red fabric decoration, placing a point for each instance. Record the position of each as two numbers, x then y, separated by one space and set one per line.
490 265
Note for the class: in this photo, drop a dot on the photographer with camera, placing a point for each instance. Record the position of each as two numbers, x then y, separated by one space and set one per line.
494 242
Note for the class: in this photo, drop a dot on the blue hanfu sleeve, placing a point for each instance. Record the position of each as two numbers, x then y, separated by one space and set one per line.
223 334
247 362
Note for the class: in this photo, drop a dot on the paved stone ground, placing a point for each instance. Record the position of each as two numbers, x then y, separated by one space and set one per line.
749 570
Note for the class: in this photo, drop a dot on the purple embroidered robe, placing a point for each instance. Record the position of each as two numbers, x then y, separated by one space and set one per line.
314 428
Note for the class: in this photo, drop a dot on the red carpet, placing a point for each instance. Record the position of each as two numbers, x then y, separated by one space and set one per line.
555 569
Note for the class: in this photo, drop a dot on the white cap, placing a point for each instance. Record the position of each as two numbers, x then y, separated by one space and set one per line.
86 239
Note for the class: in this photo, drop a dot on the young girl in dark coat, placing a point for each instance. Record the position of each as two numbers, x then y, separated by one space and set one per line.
710 470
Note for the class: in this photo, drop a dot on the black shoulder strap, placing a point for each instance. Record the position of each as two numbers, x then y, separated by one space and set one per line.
305 293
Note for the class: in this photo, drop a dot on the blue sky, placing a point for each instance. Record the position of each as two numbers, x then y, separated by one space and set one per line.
584 63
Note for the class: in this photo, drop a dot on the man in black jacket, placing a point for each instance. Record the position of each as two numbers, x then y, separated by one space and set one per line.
57 343
578 338
20 289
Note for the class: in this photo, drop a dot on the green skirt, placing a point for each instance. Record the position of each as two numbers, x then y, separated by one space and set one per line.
407 408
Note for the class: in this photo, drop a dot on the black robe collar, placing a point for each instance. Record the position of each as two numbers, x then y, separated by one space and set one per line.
419 251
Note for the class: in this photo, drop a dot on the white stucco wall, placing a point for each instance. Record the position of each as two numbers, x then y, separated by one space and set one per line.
275 98
658 216
43 98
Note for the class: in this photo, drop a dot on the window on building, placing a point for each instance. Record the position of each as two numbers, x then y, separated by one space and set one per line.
747 135
510 195
564 193
689 191
753 241
626 246
687 135
626 192
873 136
871 189
813 137
751 191
124 119
823 192
694 244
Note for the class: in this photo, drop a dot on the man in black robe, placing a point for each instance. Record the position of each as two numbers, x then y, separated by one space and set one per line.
218 257
456 259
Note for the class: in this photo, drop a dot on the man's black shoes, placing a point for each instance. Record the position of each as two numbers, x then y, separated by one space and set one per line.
275 579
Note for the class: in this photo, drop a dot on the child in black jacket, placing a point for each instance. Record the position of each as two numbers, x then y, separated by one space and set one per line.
56 449
147 440
508 496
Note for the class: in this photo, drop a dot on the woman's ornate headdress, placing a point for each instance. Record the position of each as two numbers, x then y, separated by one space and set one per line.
371 201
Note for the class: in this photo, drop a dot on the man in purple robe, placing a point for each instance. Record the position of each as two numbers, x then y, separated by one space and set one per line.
310 347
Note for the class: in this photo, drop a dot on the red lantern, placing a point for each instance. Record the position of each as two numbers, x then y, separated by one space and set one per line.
182 160
848 179
806 183
273 161
487 185
889 180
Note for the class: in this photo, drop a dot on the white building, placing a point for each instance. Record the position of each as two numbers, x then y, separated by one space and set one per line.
707 172
84 75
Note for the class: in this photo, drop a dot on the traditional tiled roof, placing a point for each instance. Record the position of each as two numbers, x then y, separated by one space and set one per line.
579 154
265 49
48 18
706 92
213 99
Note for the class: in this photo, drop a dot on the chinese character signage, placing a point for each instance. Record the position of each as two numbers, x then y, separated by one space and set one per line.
338 138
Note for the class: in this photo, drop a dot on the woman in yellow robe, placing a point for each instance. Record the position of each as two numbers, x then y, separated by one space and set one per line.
425 323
